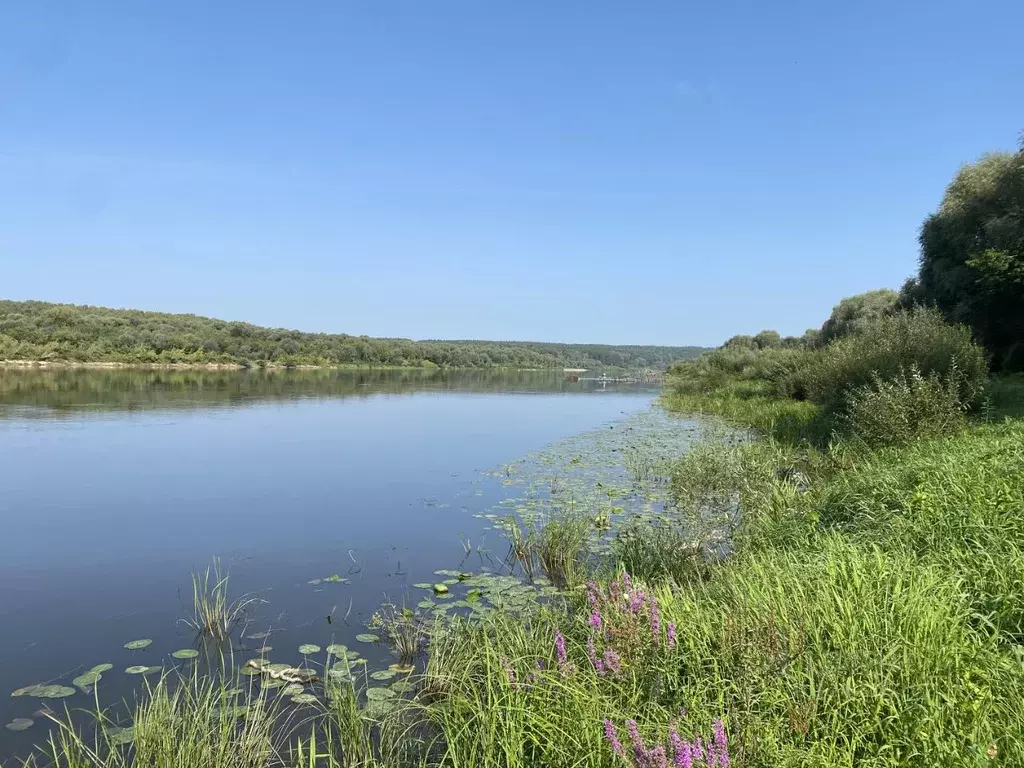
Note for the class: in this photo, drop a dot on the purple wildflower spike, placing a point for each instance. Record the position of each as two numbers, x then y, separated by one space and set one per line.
592 653
595 619
698 749
671 634
682 757
560 648
655 623
656 757
639 749
613 737
721 745
636 600
612 662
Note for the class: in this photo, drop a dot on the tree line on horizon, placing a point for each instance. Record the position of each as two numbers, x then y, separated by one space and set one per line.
37 330
971 269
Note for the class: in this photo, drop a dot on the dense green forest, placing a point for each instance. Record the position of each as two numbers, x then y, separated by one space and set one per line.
36 330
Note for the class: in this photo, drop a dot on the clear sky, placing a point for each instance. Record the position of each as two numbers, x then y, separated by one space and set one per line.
627 171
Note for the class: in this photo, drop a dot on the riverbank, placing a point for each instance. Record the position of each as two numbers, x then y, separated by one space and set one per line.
112 365
868 614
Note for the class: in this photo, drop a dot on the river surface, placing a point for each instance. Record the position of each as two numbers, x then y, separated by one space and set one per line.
117 485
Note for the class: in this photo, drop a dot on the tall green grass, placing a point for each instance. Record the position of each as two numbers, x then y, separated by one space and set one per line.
184 722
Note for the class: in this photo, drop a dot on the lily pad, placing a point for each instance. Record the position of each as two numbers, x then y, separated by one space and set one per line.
19 724
45 691
426 604
451 582
441 589
403 686
305 698
335 578
185 653
464 575
402 669
86 680
250 671
270 682
379 694
337 650
308 648
423 585
138 645
382 674
294 689
368 637
142 669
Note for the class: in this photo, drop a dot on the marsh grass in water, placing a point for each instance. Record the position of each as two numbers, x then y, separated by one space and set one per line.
185 722
214 614
557 547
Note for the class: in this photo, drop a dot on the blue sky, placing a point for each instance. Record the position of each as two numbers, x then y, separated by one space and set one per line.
625 172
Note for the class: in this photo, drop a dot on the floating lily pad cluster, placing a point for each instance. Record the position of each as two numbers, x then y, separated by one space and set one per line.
610 474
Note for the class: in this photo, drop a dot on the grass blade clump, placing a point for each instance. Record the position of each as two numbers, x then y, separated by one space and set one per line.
214 615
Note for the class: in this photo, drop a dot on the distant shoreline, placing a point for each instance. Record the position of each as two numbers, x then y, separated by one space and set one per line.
113 365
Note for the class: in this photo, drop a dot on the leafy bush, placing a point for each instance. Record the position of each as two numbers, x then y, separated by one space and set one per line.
917 339
855 313
906 407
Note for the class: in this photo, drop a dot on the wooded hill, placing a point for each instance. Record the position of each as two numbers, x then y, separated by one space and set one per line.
36 330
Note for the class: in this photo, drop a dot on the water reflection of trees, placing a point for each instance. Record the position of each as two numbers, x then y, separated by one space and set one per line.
60 390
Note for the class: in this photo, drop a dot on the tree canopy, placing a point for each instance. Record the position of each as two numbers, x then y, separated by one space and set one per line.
35 330
972 254
855 313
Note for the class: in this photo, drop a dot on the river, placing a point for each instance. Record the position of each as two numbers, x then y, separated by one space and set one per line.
118 485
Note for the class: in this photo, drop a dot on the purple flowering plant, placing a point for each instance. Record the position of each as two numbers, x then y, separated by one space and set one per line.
676 751
624 626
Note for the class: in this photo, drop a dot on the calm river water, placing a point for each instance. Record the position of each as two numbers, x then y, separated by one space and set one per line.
117 485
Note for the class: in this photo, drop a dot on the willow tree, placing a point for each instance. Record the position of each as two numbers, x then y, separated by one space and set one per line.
972 255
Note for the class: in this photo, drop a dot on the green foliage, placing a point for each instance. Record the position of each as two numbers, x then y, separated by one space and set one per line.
886 350
183 722
855 313
955 504
34 330
972 252
557 547
907 407
768 340
214 615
